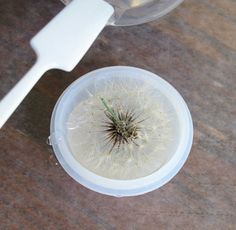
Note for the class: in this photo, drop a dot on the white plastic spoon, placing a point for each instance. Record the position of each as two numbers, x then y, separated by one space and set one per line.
60 44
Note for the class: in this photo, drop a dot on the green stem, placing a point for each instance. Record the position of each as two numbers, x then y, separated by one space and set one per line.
110 110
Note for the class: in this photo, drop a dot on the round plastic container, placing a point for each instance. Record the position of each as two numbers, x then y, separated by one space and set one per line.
114 187
133 12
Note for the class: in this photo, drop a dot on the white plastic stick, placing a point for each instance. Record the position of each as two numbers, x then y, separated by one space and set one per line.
11 101
60 44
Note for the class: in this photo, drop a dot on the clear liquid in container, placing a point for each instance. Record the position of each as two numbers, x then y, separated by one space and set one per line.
157 138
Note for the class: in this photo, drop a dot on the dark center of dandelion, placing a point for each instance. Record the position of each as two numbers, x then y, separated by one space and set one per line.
121 128
126 129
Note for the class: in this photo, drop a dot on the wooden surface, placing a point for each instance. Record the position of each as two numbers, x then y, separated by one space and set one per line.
194 48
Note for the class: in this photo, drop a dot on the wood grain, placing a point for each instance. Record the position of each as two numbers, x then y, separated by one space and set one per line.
194 48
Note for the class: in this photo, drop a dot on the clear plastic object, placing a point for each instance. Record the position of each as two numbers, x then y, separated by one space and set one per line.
134 12
79 91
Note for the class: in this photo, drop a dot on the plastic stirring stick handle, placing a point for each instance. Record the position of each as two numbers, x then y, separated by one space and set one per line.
12 100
